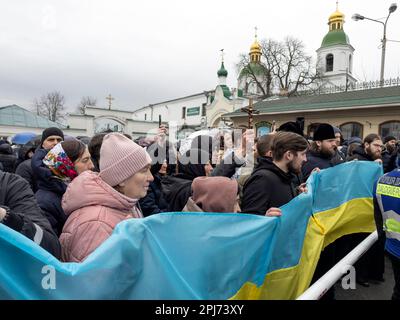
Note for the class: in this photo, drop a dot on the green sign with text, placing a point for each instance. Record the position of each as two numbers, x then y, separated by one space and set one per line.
193 111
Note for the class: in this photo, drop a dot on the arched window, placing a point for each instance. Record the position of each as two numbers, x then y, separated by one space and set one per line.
351 129
263 128
329 62
390 128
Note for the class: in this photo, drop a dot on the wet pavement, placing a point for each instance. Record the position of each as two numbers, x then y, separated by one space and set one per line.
375 291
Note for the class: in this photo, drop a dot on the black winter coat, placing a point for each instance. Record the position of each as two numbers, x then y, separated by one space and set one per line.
50 192
25 171
360 154
7 158
267 187
389 161
25 215
154 201
176 190
317 160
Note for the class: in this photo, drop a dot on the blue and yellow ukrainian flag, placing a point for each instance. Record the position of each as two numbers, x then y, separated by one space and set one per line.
202 255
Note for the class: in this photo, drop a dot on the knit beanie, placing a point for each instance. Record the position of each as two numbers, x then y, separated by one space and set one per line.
120 158
53 131
388 138
324 132
215 194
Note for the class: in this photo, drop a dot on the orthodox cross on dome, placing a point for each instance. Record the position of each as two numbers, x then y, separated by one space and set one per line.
222 54
337 5
109 98
256 29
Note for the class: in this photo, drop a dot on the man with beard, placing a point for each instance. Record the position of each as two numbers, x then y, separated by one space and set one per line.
371 265
270 184
370 150
389 155
323 152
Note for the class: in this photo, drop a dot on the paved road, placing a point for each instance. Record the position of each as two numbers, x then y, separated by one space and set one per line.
376 291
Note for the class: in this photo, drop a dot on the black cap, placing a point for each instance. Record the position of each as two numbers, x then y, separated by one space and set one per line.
291 126
388 138
324 132
53 131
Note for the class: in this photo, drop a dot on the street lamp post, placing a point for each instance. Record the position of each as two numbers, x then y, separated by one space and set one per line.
357 17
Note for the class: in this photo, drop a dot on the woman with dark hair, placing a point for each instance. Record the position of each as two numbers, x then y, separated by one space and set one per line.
94 149
64 162
196 162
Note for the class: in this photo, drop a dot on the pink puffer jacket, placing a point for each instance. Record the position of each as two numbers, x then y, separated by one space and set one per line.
94 209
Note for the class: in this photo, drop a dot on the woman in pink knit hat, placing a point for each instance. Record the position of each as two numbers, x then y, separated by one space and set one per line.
96 202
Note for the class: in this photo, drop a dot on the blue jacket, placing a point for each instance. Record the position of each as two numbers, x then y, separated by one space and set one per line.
154 201
387 203
50 192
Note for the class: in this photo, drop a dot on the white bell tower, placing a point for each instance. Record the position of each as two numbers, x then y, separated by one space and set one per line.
335 56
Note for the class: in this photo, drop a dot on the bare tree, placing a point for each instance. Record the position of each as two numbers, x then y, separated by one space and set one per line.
293 68
37 107
85 101
284 68
50 106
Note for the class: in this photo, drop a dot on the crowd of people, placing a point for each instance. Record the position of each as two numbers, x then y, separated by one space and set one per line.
68 196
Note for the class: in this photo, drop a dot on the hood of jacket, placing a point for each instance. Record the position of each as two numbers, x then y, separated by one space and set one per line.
205 196
88 189
265 163
31 145
5 148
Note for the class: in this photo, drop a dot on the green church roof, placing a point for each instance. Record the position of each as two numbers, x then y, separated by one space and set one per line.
335 37
256 68
342 100
222 71
227 92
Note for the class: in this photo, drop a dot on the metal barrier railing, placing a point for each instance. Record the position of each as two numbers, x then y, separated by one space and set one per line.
319 288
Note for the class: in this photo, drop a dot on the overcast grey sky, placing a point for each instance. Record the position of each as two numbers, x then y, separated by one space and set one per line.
147 52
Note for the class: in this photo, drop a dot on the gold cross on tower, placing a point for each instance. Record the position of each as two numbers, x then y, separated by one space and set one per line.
109 98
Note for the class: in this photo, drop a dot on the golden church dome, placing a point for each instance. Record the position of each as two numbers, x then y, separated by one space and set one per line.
255 47
337 15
